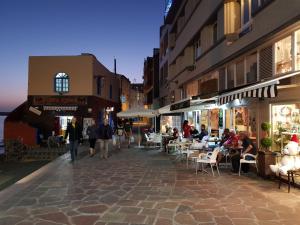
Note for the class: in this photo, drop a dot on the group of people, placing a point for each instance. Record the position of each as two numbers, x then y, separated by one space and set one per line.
237 144
99 136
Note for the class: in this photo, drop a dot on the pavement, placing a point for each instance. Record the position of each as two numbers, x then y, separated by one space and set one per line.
137 186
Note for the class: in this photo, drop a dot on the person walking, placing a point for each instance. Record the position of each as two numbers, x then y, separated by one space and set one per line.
119 133
128 132
105 134
92 133
74 132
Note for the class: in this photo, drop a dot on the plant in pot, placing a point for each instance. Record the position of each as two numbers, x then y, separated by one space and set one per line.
265 126
266 143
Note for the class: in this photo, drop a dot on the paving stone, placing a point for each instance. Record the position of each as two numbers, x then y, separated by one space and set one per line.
84 220
55 217
131 218
185 219
10 220
93 209
130 210
162 221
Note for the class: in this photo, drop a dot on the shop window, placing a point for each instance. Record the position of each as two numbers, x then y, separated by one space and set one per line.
251 68
240 78
283 56
204 117
230 76
227 119
297 50
240 119
61 83
214 119
285 118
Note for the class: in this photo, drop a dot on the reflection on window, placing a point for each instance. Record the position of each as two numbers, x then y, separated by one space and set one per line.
283 56
297 50
251 68
61 82
197 49
240 79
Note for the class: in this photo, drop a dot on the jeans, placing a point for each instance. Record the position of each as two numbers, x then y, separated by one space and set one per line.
73 149
103 148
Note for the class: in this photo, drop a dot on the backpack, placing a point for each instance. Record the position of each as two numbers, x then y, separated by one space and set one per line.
119 131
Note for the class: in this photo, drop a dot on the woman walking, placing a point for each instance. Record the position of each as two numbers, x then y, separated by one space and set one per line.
92 133
119 133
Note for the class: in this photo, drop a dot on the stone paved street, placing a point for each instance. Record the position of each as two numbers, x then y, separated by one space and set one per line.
143 187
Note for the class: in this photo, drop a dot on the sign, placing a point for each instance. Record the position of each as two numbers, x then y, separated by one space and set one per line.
60 108
58 100
180 105
34 110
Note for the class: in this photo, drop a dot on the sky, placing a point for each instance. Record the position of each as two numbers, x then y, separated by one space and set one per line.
125 29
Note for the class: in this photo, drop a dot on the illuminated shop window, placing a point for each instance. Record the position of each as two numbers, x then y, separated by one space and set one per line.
61 83
283 56
297 50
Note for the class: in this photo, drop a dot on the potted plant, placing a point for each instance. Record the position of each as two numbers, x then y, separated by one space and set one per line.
266 143
265 126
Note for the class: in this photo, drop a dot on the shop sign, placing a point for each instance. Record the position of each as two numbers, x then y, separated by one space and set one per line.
60 108
180 105
57 100
34 110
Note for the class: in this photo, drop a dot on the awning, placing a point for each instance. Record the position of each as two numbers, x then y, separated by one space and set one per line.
266 89
138 112
188 105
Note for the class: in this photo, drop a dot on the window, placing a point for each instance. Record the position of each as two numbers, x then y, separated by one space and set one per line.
230 76
283 56
197 49
110 92
240 78
61 83
222 79
256 5
297 50
246 15
215 32
251 68
99 85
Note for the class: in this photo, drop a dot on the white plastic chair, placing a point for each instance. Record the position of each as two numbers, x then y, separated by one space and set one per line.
243 160
174 144
209 158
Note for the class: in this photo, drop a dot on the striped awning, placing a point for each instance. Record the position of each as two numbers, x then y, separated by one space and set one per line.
262 90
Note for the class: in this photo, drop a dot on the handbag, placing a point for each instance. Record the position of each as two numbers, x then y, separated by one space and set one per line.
131 139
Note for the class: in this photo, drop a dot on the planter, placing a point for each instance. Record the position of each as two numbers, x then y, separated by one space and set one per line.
264 160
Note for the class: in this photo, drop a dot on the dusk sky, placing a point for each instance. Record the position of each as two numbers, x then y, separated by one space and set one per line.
128 30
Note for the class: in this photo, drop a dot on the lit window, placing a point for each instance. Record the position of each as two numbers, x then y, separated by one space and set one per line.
297 50
61 83
283 56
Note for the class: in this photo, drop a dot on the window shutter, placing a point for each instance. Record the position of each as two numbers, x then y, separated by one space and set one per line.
265 63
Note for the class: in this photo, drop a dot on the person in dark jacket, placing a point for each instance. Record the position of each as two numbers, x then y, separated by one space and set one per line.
104 135
92 133
74 132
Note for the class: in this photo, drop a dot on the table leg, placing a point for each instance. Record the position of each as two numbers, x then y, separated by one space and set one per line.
289 181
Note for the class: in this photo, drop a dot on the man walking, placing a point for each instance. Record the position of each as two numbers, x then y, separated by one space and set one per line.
105 134
74 132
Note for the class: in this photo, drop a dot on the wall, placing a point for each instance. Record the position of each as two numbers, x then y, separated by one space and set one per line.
14 130
42 71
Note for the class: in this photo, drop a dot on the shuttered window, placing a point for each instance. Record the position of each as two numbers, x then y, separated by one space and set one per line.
265 63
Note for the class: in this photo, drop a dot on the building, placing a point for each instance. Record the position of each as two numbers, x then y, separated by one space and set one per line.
232 64
137 98
151 80
60 87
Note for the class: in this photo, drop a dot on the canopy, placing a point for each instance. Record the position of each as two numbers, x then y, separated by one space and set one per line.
138 112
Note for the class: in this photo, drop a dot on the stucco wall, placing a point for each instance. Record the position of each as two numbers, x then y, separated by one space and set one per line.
42 71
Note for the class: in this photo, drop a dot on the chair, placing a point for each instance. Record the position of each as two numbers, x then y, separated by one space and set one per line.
210 158
243 160
174 144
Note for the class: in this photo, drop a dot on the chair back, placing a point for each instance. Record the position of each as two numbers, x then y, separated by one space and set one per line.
147 138
214 154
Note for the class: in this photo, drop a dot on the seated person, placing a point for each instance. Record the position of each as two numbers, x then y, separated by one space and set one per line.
174 136
248 147
225 136
194 132
203 132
